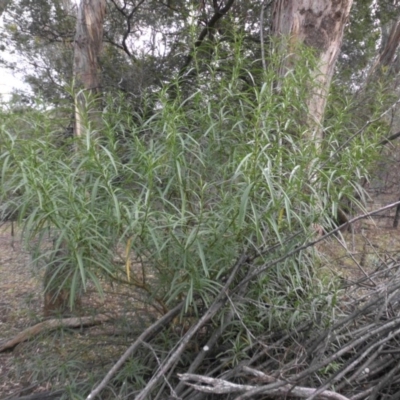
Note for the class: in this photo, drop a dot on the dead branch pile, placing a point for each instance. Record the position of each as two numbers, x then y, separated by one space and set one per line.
356 357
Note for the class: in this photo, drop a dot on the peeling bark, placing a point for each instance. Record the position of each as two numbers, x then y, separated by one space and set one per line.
320 25
87 47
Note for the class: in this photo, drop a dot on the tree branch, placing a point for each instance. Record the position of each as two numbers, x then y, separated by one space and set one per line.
264 267
148 333
52 324
389 139
169 362
221 386
219 13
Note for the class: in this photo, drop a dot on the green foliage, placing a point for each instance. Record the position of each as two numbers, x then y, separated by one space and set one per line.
185 191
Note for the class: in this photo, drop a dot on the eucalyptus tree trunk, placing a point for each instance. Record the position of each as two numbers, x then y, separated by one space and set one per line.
87 47
387 62
320 25
390 46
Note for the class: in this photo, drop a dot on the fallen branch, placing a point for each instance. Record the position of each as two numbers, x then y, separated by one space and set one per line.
262 268
176 354
146 335
220 386
389 139
39 396
228 317
213 385
52 324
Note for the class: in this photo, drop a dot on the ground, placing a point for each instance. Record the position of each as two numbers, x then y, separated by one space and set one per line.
66 353
20 302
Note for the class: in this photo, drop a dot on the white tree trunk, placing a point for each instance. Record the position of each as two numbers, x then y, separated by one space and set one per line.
87 47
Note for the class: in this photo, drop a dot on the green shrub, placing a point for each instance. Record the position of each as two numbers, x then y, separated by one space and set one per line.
226 169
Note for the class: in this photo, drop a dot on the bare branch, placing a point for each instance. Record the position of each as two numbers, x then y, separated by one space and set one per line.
210 313
389 139
221 386
219 13
264 267
50 325
148 333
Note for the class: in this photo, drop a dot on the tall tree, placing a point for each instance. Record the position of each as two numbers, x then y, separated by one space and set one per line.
87 47
319 25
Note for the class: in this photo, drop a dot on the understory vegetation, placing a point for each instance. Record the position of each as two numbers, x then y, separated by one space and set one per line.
207 209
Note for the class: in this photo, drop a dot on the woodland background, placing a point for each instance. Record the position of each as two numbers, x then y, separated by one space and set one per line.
199 199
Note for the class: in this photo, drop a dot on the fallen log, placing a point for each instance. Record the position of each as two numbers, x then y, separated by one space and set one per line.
50 325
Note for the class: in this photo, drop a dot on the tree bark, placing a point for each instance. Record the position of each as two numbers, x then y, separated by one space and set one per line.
320 25
390 45
87 47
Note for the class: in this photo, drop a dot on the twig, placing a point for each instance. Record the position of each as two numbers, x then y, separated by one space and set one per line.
264 267
218 14
166 381
212 340
363 394
362 369
353 363
149 332
389 139
359 264
175 356
384 382
361 130
347 347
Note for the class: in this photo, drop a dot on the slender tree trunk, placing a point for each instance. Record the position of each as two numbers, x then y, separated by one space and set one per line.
388 51
87 47
320 25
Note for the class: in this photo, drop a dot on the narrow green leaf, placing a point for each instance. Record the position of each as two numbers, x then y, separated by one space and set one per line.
203 259
243 205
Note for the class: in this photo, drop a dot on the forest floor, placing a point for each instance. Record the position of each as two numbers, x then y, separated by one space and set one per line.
66 353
